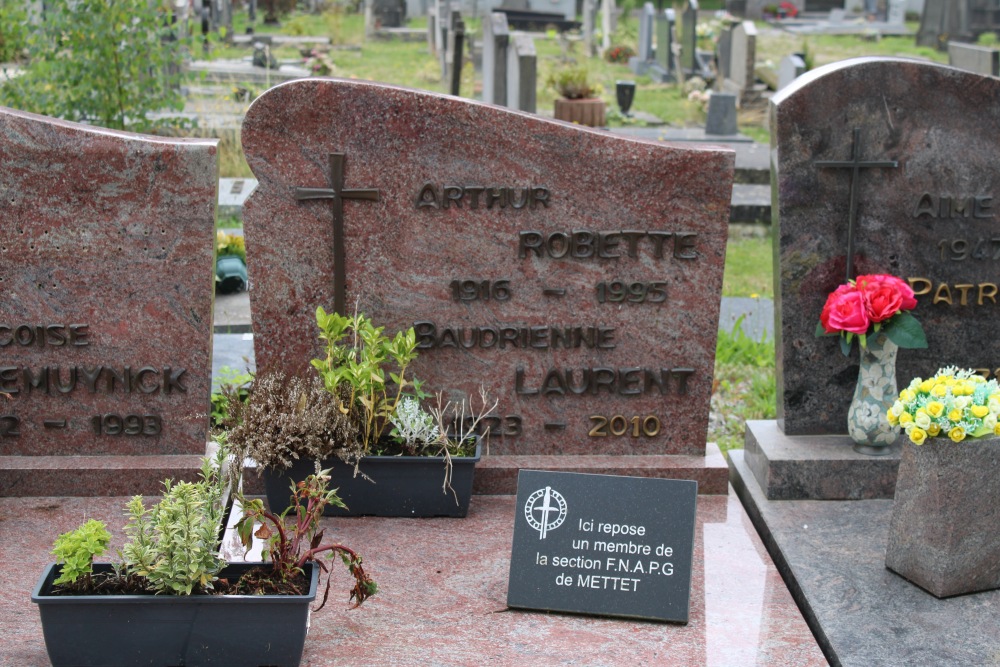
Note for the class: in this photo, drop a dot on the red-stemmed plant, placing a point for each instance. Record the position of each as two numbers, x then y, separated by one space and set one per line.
294 538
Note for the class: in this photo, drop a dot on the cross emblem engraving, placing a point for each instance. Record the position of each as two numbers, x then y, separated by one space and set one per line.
337 193
855 164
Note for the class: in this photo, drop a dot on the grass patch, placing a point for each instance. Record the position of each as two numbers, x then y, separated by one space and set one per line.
749 261
744 386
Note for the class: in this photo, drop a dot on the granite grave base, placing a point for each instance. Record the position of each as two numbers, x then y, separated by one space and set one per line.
832 557
818 467
442 599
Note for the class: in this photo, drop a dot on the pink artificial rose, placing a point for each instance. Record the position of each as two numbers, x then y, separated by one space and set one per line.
885 296
845 311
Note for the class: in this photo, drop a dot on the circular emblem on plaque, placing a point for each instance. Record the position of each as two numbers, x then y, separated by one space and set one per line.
545 510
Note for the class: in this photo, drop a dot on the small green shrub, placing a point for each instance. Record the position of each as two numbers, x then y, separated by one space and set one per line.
174 544
77 549
573 83
361 357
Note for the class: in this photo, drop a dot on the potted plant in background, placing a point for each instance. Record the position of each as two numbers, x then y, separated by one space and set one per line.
230 263
579 100
875 310
173 600
943 533
361 418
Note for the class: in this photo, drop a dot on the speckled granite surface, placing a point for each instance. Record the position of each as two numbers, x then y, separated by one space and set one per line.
820 467
444 586
923 219
832 556
548 214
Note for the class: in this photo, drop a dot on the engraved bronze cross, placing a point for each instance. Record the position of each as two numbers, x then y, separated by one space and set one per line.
855 164
337 193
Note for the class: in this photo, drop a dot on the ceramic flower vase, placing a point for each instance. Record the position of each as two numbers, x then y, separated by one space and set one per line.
867 423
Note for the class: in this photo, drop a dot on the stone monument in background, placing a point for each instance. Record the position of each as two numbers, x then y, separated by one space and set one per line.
574 274
106 286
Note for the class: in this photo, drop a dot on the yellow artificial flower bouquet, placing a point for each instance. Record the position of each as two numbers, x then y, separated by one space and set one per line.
954 403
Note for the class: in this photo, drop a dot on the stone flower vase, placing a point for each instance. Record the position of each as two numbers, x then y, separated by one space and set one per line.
943 534
867 423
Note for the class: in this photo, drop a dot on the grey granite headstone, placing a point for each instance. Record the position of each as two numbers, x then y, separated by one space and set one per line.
496 38
896 13
724 52
644 57
603 545
743 58
522 73
790 68
931 219
978 59
389 13
721 114
689 38
663 68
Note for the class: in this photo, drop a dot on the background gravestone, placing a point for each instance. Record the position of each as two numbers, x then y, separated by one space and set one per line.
742 62
496 41
480 238
931 219
640 62
790 68
106 286
974 58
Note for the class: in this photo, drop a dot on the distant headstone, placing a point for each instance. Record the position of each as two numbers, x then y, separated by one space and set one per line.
603 545
522 73
837 15
721 115
106 290
896 13
496 38
724 53
663 68
790 68
689 38
389 13
743 60
944 20
528 265
979 59
644 56
865 149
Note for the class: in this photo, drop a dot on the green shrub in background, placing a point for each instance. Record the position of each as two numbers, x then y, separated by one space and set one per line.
13 30
106 62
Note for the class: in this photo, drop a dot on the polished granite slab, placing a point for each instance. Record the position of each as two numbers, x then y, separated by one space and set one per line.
832 556
443 596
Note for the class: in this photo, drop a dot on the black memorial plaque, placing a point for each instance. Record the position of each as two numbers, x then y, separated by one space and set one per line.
603 545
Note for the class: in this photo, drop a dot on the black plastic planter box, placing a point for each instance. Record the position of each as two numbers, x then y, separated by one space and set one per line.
125 630
403 485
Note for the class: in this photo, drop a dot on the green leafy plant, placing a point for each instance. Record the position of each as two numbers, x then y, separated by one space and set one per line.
100 61
174 544
14 30
77 549
360 356
234 387
294 538
573 83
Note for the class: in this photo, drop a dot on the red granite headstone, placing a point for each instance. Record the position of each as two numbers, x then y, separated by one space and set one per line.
575 274
106 286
